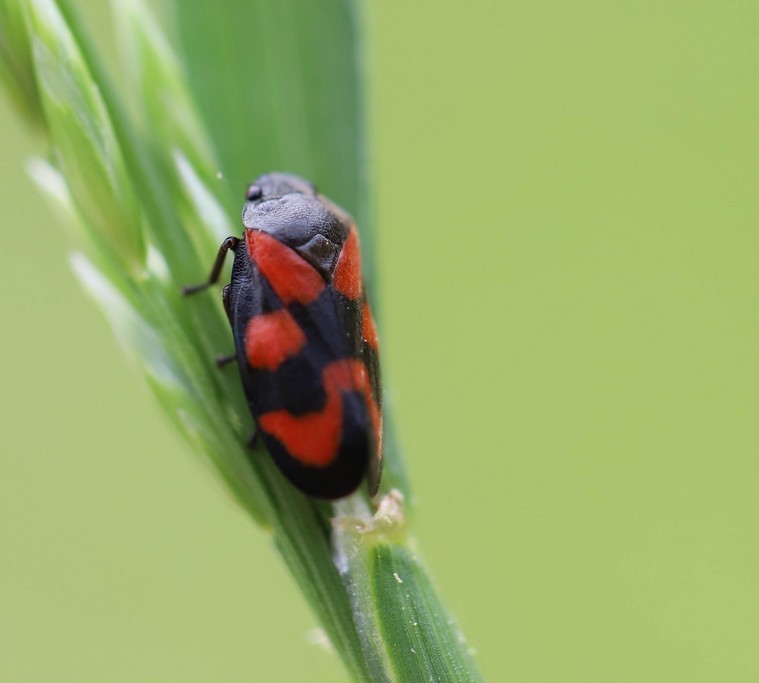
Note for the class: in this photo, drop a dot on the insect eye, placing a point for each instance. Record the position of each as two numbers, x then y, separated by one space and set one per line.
254 192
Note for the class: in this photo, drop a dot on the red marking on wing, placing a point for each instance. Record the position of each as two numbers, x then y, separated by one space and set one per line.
291 277
314 438
369 330
270 338
347 276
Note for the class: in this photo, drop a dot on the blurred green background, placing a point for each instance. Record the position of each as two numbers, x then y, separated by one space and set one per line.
567 230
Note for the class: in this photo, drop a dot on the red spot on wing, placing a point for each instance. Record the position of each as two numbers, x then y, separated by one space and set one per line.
369 331
270 338
291 277
314 438
347 275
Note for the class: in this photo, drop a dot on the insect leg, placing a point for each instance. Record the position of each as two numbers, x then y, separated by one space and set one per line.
221 361
229 243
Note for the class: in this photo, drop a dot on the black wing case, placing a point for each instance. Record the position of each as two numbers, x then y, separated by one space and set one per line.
302 383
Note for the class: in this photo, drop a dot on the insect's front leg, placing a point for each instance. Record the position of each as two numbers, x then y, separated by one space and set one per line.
229 243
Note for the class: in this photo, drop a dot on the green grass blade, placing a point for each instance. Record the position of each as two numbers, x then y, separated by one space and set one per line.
279 89
427 645
406 631
167 115
86 147
16 63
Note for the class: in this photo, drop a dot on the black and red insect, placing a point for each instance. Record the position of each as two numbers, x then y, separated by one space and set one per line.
305 340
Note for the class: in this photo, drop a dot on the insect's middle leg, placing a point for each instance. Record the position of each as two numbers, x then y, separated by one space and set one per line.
229 243
221 361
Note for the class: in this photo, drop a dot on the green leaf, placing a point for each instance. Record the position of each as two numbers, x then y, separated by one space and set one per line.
16 67
279 87
427 645
85 145
167 114
168 123
407 633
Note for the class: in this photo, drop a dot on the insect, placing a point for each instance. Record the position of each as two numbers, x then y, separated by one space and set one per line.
305 340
